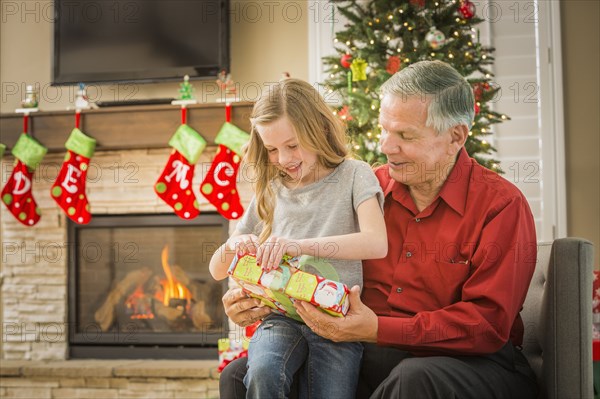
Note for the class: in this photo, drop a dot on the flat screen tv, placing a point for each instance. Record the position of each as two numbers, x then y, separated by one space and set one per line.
111 41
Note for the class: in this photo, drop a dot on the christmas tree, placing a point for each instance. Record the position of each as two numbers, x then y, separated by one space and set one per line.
384 36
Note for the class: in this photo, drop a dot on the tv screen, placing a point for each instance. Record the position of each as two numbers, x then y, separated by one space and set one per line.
139 41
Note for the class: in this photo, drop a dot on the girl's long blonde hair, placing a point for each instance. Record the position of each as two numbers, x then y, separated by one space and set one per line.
317 128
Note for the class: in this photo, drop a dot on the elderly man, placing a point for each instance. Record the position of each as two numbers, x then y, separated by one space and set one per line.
439 316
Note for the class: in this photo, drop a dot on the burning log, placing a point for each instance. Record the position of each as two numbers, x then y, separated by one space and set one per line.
105 315
199 316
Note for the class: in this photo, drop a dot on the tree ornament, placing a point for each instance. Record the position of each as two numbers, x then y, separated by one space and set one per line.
359 70
346 60
174 186
467 9
219 185
477 92
479 89
69 188
17 194
393 64
477 109
344 114
435 38
418 3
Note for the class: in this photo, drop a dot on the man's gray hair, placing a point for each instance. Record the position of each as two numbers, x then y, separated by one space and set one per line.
451 96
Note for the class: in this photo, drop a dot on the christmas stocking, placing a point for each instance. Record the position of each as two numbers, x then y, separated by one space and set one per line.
219 186
69 188
17 195
174 186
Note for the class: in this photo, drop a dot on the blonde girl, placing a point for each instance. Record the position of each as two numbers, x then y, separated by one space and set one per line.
310 199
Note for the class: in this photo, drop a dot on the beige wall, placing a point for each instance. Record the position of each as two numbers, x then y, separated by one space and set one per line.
581 73
267 39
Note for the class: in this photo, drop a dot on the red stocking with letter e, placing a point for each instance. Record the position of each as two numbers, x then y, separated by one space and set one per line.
69 188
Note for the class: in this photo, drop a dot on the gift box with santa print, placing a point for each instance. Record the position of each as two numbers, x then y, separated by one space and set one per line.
280 287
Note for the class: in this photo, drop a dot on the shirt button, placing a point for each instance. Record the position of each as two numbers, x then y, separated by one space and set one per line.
408 254
399 290
417 220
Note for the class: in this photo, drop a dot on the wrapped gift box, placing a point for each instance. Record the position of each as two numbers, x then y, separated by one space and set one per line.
279 288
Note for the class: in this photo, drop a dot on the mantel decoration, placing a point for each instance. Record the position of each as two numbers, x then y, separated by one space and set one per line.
28 152
219 185
174 186
69 188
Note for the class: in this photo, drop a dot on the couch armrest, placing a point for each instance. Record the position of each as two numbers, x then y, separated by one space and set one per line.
567 343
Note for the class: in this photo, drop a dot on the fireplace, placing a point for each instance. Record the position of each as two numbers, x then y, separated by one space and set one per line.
139 287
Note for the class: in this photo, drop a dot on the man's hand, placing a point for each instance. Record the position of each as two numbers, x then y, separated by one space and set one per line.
360 324
243 310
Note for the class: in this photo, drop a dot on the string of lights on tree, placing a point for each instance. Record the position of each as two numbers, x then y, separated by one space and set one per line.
384 36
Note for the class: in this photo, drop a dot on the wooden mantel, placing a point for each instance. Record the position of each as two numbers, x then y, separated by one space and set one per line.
124 127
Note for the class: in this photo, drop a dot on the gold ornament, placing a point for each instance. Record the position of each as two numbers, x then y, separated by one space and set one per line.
359 69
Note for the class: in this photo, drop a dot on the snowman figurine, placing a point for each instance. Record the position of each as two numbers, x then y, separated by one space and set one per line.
81 100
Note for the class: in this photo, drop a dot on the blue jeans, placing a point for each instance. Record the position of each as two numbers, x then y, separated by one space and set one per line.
281 346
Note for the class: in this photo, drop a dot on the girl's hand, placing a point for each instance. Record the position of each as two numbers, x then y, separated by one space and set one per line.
270 253
243 244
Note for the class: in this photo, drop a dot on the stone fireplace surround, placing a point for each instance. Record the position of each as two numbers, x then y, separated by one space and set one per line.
34 347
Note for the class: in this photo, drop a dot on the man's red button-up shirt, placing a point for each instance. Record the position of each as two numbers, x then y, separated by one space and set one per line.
456 273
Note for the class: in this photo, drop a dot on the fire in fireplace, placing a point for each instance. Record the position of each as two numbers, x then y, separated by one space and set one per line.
167 297
139 287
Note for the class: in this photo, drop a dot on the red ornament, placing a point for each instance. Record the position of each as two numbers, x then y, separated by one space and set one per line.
418 3
467 9
477 109
344 113
346 60
477 92
393 64
479 89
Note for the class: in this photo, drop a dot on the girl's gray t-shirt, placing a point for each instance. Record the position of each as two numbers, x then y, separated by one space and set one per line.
321 209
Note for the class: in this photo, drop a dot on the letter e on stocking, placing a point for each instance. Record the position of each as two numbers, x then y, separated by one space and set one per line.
71 179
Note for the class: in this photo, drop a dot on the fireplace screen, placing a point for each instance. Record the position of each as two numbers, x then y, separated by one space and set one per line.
141 283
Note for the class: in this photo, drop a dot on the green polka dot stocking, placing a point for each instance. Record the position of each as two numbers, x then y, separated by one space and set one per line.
69 188
219 185
16 194
174 186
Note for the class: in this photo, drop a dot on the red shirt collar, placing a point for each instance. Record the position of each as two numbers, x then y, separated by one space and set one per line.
455 194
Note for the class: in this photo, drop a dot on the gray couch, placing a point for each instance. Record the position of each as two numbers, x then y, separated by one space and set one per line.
558 319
